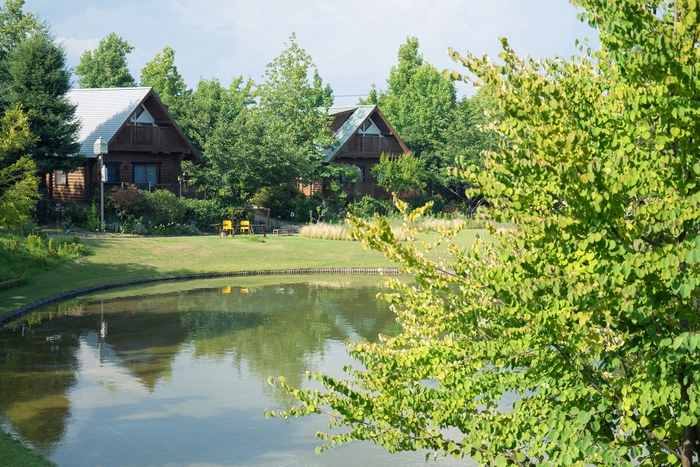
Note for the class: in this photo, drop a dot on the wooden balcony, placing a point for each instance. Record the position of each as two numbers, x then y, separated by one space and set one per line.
148 138
373 144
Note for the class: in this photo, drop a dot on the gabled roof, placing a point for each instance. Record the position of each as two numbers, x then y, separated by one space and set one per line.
357 116
104 111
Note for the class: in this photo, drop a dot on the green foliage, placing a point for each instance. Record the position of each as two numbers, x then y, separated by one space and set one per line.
18 183
418 101
39 82
463 141
205 212
436 203
400 175
106 66
294 106
247 153
124 199
284 199
22 257
369 207
161 74
573 339
162 206
69 215
15 27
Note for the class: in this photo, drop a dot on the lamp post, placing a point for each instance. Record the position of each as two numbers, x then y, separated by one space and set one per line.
100 149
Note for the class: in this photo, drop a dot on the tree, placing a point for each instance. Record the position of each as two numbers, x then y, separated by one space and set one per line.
585 315
106 66
418 100
463 141
246 154
161 74
295 106
399 175
39 82
15 27
18 184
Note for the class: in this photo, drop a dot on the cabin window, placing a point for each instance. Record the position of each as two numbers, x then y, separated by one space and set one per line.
146 174
112 173
362 172
61 178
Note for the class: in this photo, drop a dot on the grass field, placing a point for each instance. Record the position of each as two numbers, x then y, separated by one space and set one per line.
121 259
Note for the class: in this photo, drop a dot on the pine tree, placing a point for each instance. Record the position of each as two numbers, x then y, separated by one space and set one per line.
39 81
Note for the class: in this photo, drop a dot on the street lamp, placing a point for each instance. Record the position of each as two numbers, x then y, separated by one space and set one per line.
100 149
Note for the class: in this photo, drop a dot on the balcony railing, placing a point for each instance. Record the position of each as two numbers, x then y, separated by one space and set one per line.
373 143
147 136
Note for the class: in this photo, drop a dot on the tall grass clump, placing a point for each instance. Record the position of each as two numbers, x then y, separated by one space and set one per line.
339 232
21 257
327 231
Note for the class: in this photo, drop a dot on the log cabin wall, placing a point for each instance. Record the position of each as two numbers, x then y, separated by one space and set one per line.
73 191
167 168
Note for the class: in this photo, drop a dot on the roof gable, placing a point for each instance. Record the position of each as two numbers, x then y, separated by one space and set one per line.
352 123
104 111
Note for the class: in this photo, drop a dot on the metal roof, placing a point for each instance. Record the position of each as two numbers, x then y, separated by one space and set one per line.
349 127
102 111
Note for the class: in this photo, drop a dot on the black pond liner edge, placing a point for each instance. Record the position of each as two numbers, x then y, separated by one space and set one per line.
21 311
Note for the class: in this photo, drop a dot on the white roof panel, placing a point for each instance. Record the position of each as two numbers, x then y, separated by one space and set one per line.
349 127
102 111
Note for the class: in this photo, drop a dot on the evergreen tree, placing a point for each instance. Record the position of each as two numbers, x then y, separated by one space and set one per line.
106 66
39 82
15 27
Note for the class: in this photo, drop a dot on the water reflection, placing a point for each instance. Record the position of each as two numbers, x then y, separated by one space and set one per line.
180 378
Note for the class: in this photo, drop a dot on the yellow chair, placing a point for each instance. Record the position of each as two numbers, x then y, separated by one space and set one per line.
245 227
227 226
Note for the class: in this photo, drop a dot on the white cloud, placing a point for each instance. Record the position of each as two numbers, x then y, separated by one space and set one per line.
354 44
76 47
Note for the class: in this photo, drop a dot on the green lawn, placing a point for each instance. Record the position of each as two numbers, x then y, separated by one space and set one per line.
121 259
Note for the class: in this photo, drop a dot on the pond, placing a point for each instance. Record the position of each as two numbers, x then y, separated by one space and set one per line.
175 374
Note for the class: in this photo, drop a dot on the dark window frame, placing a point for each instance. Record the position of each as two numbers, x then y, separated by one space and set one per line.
115 167
145 164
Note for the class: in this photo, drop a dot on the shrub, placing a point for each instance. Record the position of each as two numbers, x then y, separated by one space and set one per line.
124 200
420 200
205 212
283 200
162 206
370 207
69 214
19 255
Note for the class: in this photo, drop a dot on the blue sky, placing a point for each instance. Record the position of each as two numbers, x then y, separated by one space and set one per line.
353 43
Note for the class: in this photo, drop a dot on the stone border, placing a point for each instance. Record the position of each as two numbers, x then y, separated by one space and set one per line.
11 316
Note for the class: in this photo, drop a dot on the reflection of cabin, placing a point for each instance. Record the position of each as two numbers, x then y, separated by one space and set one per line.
146 146
363 135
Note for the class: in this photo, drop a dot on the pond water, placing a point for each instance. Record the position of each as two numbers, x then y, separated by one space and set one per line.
175 374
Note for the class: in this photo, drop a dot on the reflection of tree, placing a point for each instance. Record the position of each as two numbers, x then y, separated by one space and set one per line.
38 369
269 330
299 320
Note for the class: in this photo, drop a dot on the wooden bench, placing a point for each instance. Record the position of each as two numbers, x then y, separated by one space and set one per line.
282 231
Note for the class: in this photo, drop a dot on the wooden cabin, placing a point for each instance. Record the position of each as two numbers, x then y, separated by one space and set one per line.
146 146
363 134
